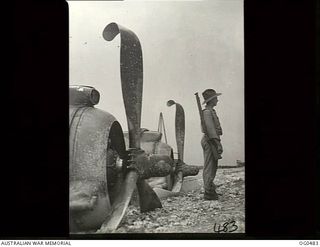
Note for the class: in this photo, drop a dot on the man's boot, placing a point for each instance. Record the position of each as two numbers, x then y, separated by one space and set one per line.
210 196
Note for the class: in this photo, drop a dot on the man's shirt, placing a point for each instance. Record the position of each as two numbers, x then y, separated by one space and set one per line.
212 123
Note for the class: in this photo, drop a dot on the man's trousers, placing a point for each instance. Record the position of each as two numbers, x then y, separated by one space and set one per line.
210 166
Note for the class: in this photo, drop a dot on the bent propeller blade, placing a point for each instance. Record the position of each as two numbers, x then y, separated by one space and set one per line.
131 69
131 72
120 204
180 127
180 136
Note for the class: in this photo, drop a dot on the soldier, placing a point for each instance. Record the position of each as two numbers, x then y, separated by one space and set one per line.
211 143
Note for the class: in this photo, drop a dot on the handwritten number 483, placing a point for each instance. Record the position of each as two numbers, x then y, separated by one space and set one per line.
226 227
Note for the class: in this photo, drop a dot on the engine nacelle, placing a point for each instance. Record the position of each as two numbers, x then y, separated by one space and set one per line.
95 141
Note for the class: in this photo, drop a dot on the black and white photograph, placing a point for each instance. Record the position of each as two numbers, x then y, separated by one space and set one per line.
160 120
156 117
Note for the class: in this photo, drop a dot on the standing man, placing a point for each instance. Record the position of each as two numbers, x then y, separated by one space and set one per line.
211 143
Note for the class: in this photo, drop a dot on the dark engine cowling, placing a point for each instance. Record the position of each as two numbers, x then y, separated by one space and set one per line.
96 143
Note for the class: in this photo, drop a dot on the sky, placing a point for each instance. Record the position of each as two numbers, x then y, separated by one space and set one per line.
187 47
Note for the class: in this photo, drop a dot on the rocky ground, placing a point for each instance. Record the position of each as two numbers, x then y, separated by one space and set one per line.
190 213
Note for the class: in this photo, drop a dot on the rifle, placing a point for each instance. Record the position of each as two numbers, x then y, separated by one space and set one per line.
204 128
